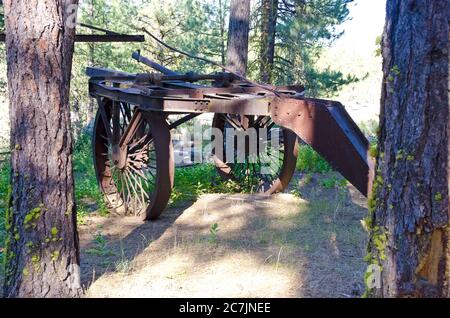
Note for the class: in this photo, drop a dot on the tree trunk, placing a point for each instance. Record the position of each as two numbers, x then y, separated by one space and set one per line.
410 200
91 49
268 28
238 29
222 32
42 257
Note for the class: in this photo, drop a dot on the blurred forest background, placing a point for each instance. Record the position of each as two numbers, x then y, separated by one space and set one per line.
330 46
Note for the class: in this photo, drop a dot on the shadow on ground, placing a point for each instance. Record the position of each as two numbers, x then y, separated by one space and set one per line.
306 244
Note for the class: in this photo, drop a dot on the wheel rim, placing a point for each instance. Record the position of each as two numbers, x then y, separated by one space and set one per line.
137 177
249 173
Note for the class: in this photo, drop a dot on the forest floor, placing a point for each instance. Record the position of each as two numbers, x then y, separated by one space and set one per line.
308 242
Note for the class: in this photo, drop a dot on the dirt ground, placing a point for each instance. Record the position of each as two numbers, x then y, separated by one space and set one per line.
306 243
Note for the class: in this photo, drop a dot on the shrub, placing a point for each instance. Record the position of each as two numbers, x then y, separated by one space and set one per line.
310 161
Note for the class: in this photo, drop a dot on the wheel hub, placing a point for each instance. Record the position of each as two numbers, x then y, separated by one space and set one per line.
119 156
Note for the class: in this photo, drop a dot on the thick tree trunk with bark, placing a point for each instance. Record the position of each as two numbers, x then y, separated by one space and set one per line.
238 29
222 32
268 32
42 249
410 200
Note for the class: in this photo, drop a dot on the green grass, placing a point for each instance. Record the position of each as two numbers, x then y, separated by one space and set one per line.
4 189
191 182
86 186
100 248
310 161
333 182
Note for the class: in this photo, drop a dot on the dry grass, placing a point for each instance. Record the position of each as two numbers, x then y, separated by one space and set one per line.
281 246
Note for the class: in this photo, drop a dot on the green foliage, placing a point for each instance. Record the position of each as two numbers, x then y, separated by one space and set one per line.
2 18
214 229
325 82
191 182
115 15
370 128
378 44
4 194
310 161
333 182
304 28
100 247
86 185
373 150
194 26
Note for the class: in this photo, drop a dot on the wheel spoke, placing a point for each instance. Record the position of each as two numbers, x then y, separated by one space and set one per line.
139 172
138 183
250 172
136 196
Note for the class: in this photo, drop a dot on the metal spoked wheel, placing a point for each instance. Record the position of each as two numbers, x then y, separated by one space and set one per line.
133 159
268 171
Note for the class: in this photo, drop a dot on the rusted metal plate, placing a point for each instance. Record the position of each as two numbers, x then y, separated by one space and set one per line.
327 127
250 106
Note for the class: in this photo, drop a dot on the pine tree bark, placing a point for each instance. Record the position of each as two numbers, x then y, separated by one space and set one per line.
238 29
42 257
268 32
222 32
410 200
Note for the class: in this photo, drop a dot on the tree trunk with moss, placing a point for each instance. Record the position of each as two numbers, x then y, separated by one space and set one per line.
238 29
409 244
42 257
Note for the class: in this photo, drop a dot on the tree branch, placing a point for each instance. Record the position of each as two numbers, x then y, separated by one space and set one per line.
244 79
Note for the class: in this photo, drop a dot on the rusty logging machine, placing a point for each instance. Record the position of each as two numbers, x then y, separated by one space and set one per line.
133 151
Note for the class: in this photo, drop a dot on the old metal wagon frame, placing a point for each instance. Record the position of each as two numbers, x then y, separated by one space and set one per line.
132 119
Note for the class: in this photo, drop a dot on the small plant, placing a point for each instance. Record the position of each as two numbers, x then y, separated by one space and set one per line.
296 192
123 265
191 182
100 246
310 161
307 179
213 234
370 128
329 183
82 215
373 150
334 182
